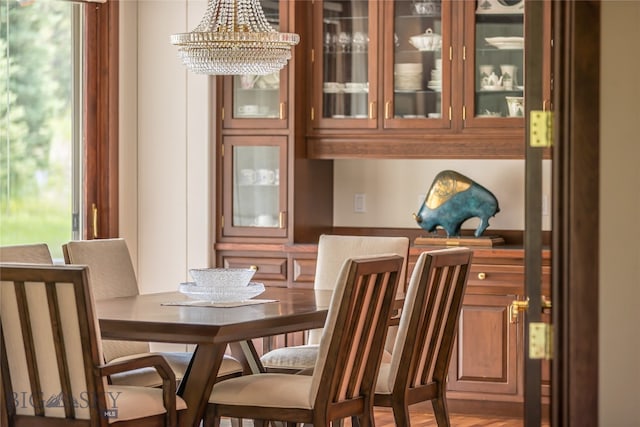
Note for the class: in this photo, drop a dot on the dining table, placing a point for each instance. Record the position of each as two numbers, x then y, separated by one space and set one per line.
172 318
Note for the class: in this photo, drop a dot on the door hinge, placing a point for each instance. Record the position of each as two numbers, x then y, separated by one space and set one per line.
222 114
313 56
222 221
541 129
312 114
464 53
222 150
464 113
540 340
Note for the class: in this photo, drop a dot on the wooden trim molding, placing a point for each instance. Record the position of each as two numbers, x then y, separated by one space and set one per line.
576 201
101 120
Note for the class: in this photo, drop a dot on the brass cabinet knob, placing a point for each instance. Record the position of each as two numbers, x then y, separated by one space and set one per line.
482 276
253 267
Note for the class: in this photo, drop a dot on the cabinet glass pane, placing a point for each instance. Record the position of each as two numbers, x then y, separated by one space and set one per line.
259 96
345 59
417 72
499 59
256 186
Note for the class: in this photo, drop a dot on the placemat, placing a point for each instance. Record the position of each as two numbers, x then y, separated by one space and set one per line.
197 303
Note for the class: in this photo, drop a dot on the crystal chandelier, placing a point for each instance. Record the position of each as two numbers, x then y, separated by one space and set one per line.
234 37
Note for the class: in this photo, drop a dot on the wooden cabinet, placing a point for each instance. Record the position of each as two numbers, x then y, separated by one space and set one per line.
485 357
411 79
266 190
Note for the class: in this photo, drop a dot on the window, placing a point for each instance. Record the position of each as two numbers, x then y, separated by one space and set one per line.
58 168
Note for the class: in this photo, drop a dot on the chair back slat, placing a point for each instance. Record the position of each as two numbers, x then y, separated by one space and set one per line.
24 319
352 344
439 304
61 353
47 340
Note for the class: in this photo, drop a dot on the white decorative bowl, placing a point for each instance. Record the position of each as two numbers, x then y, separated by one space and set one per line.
428 41
221 293
222 277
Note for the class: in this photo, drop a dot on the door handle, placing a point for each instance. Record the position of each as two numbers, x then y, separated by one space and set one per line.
516 307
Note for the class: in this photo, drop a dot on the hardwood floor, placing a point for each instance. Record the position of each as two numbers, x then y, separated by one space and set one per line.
423 418
384 418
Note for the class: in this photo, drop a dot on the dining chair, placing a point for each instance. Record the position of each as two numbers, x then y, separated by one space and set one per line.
112 275
333 250
32 253
37 253
426 334
51 357
349 356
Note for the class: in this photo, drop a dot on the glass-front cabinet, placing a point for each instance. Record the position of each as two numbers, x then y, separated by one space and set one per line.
345 74
494 63
411 64
417 64
254 186
256 101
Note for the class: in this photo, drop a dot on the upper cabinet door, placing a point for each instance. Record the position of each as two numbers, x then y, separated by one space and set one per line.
345 58
252 101
254 183
417 64
494 64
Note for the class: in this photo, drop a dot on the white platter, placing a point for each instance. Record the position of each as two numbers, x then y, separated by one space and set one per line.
506 42
221 294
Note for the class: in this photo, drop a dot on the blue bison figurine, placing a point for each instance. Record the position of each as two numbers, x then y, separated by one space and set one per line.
452 199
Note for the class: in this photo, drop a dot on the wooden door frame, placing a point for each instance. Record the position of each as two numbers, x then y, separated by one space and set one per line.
100 162
575 240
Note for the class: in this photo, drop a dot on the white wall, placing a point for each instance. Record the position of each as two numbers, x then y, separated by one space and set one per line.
394 188
619 207
164 149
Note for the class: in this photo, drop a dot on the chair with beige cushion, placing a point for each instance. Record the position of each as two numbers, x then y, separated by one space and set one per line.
112 275
33 253
346 368
50 348
333 250
420 359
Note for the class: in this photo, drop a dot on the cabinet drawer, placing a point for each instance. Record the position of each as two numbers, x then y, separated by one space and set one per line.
271 271
304 272
487 274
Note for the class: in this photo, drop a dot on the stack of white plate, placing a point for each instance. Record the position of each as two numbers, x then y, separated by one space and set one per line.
408 76
436 78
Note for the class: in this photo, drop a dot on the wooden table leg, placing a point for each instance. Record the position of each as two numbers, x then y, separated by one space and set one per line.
247 354
195 388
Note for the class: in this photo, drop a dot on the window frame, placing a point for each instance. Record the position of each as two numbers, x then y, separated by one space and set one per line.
100 112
